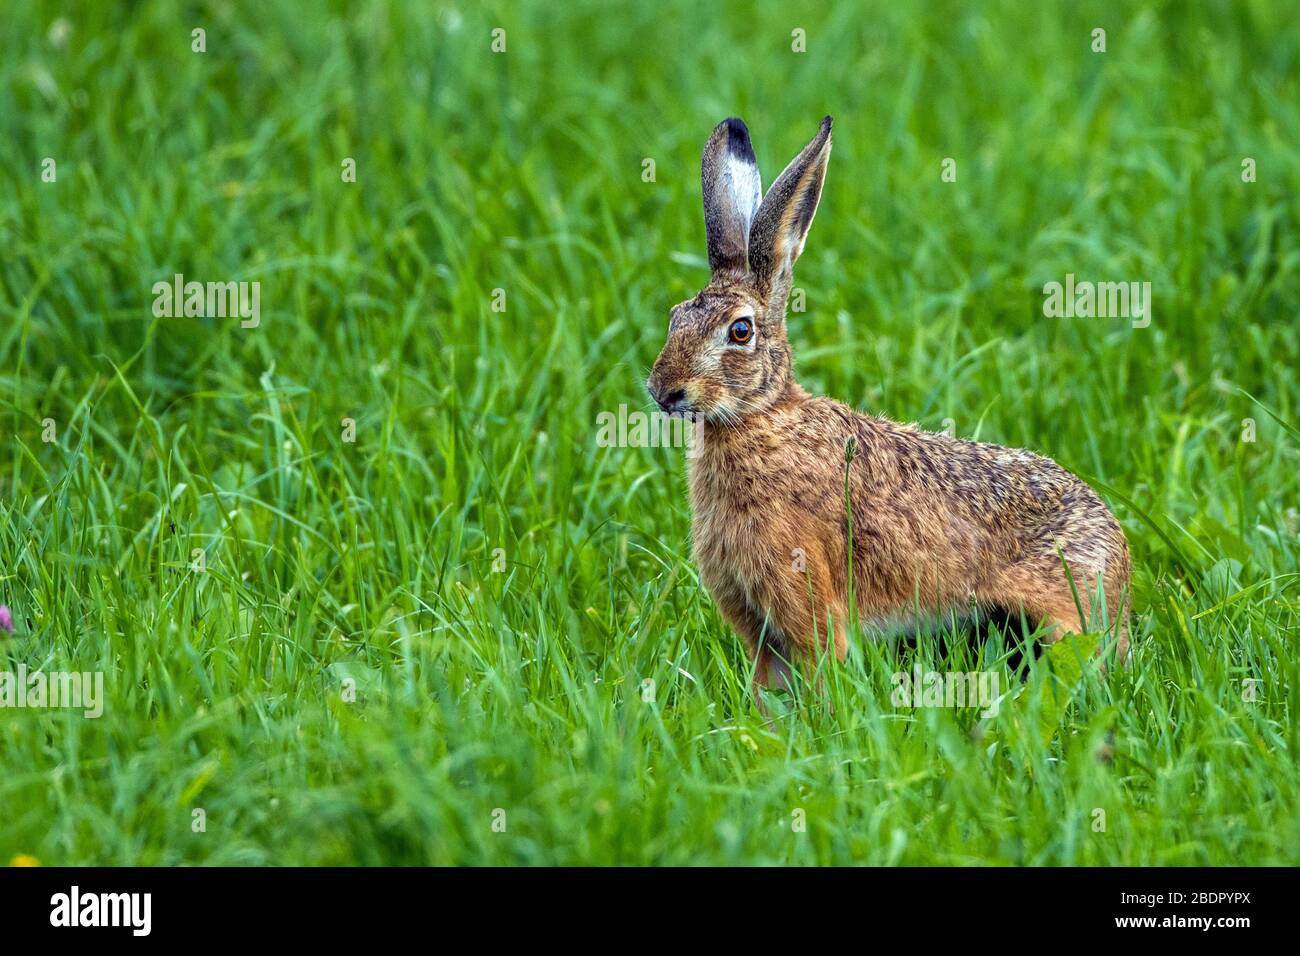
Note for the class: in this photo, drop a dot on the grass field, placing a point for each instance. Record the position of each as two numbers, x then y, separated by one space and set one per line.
429 644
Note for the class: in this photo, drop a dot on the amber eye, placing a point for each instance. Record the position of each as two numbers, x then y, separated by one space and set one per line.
742 330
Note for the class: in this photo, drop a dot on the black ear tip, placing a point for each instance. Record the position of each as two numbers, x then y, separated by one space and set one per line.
826 125
738 143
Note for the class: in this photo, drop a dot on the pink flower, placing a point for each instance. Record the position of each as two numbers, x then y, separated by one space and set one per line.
6 619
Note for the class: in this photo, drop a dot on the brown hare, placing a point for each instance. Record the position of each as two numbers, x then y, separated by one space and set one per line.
939 525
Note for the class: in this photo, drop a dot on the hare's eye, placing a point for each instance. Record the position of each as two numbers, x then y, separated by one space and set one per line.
742 330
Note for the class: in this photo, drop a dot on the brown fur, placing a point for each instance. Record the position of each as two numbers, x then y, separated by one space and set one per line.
938 524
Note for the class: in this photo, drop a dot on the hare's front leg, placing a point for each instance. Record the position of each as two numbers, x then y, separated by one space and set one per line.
781 604
765 643
799 606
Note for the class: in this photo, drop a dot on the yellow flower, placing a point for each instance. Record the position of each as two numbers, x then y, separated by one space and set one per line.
22 859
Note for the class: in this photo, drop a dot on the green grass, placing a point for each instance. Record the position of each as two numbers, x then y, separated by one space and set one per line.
370 564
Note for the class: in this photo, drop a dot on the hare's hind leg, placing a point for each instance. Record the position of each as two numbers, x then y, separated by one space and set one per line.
1048 598
1066 621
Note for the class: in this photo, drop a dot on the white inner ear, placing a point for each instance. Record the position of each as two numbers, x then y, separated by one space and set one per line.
745 186
798 251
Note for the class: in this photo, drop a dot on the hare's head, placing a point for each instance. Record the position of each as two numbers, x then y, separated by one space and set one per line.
727 354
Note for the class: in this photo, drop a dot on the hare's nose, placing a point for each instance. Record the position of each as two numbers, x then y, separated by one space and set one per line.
668 400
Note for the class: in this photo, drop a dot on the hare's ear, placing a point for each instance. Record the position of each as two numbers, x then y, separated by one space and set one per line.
783 218
733 189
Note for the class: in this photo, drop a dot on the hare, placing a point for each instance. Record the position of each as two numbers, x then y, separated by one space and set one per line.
939 525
